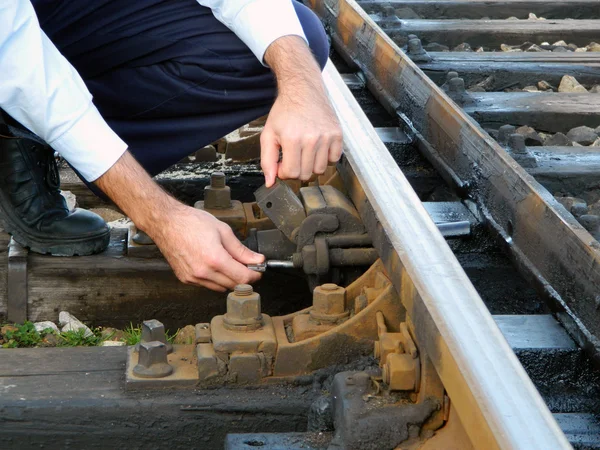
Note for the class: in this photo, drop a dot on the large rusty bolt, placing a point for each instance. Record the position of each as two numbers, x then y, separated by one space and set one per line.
217 195
153 330
243 309
401 372
329 303
152 361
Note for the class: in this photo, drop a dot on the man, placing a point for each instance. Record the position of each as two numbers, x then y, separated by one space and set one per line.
167 77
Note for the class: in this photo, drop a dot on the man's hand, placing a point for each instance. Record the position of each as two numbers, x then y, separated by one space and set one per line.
302 122
201 249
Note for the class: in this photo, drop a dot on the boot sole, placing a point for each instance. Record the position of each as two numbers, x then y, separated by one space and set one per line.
88 245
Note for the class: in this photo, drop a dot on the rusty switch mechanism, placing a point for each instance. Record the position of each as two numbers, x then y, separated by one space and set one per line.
398 357
316 231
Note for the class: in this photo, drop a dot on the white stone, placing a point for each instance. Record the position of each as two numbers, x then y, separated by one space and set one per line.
68 322
580 50
570 84
120 223
70 199
41 326
593 47
535 48
510 48
113 344
560 44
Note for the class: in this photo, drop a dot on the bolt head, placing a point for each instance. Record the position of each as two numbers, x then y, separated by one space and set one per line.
217 179
243 309
217 197
153 330
450 75
400 372
516 142
456 85
243 290
152 361
415 46
329 299
152 353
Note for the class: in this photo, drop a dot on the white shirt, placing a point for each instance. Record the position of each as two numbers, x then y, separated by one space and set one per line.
41 90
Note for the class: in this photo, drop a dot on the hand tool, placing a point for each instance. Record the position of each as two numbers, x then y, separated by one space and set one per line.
273 264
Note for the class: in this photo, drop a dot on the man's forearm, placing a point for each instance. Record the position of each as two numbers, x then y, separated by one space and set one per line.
200 249
302 124
138 196
294 66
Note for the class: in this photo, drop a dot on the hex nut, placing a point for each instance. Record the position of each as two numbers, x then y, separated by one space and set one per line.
217 198
401 372
243 309
329 303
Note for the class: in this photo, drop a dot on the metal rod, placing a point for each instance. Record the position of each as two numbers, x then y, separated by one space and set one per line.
272 264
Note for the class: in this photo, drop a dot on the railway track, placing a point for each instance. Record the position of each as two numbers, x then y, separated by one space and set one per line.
445 373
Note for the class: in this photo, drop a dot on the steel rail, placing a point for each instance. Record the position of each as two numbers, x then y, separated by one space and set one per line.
551 249
494 398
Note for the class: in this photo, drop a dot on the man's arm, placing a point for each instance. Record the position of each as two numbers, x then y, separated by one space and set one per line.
42 91
201 249
302 122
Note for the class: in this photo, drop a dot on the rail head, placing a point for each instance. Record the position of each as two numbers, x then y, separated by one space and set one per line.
495 399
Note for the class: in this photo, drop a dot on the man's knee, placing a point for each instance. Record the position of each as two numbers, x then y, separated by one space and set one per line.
315 33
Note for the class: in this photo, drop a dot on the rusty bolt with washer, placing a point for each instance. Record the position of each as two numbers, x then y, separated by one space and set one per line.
153 330
401 372
243 309
329 303
217 195
152 361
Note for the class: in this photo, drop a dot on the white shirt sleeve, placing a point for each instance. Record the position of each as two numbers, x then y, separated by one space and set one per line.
258 23
41 90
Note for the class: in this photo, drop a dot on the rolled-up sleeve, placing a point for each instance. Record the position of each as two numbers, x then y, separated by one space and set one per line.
258 23
40 89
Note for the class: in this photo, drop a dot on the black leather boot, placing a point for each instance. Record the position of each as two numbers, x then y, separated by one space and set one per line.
32 209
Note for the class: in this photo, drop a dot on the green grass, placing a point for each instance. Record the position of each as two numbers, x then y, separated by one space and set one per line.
133 334
77 338
26 336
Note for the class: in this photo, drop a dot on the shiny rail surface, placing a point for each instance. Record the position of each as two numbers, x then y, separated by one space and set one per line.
494 397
